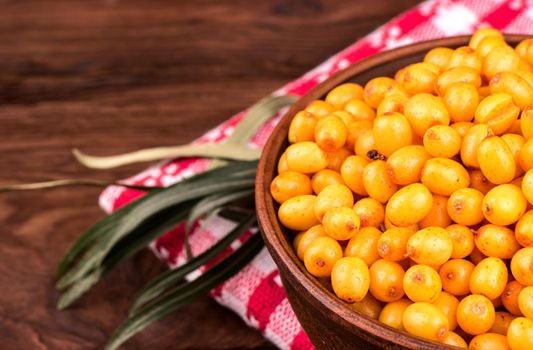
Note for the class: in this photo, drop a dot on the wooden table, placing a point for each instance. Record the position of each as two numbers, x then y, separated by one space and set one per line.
110 77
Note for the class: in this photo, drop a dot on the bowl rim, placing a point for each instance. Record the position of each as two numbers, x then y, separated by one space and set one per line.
271 230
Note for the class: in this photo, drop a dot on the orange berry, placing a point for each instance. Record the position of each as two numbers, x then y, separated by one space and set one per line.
350 279
386 280
504 205
524 230
364 245
341 223
522 266
422 283
324 178
489 278
392 243
438 215
496 160
475 314
370 211
321 256
377 182
496 241
409 205
391 132
463 240
330 133
444 176
510 297
340 95
442 141
392 313
352 173
455 276
289 184
405 165
425 110
302 127
520 334
465 206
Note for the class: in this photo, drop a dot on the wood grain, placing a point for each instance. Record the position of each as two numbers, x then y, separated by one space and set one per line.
115 76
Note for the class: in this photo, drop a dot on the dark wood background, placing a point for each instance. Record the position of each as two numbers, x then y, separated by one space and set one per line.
115 76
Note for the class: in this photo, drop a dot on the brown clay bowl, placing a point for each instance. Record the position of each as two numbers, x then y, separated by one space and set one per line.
328 321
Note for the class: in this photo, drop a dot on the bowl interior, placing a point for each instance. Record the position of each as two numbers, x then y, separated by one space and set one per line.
279 240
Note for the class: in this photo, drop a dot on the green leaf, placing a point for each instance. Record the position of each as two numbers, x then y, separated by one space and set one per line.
121 252
224 151
170 278
186 293
68 182
257 115
235 176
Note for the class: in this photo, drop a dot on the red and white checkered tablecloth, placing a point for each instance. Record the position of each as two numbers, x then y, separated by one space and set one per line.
256 293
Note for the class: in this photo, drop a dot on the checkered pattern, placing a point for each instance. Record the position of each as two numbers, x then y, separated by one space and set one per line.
256 293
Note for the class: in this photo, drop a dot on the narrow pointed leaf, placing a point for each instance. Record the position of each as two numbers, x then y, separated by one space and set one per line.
188 292
170 278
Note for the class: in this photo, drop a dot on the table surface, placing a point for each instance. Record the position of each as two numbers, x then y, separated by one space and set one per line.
110 77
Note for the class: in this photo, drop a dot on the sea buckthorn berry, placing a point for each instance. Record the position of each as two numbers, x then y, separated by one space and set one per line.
324 178
454 339
475 314
523 49
524 230
527 75
457 75
352 173
370 211
290 184
476 256
419 77
525 302
422 283
447 303
340 95
474 136
388 225
321 255
488 44
350 279
405 165
364 245
319 108
302 127
488 341
496 241
515 143
502 322
438 215
462 127
356 129
330 133
463 240
510 297
496 160
306 157
465 206
425 110
526 155
368 306
360 110
375 89
489 278
396 89
392 313
341 223
522 266
511 83
461 100
520 334
504 205
498 111
392 243
283 166
333 196
444 176
430 246
439 57
297 213
347 118
481 34
465 57
391 132
442 141
425 320
337 157
386 280
308 237
526 122
365 143
455 276
409 205
377 181
392 103
500 59
479 182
